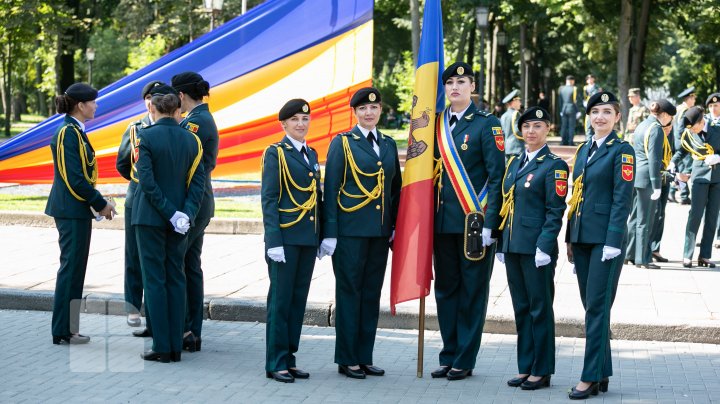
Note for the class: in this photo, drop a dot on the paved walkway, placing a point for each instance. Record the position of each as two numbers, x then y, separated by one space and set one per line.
666 302
230 369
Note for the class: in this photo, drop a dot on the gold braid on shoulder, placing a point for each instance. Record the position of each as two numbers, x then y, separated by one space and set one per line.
576 198
287 183
698 151
366 196
84 162
195 163
667 150
508 206
437 177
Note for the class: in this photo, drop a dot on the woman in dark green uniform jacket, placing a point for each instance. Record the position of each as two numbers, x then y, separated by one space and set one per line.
701 140
603 177
193 89
290 196
534 190
71 197
362 194
170 186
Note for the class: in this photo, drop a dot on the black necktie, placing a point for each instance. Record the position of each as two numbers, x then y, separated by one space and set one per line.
371 139
305 154
453 120
593 149
524 162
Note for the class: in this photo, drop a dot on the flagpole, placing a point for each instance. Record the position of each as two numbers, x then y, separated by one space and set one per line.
421 337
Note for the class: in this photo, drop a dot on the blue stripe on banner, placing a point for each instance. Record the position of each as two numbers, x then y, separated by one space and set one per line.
431 46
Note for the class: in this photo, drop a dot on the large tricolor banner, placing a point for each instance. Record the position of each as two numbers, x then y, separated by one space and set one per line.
319 50
412 248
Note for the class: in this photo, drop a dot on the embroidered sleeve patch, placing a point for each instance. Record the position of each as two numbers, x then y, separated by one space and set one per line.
627 159
499 137
561 187
627 171
560 174
192 127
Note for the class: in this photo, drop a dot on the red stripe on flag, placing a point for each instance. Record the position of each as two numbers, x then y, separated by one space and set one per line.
412 248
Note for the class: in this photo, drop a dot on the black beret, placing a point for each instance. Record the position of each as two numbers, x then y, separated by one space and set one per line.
513 95
601 98
186 80
666 106
533 114
162 89
149 86
686 92
457 69
292 107
365 95
713 98
81 92
692 116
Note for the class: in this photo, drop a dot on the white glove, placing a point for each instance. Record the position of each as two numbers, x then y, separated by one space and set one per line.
712 159
671 167
577 115
656 194
276 254
500 257
177 218
486 239
541 259
328 246
609 253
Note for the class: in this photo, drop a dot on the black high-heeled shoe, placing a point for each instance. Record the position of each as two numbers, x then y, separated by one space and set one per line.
517 381
575 394
704 262
176 356
190 343
538 384
687 263
73 339
604 383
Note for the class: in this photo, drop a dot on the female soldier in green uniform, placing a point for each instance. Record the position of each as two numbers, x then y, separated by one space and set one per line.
701 140
290 196
125 165
193 89
603 174
71 197
534 190
362 194
170 187
652 157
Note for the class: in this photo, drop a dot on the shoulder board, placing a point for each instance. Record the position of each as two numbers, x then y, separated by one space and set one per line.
345 134
552 156
482 113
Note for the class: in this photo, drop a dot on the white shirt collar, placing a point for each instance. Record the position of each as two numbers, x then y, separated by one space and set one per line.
531 155
459 114
366 132
298 145
600 141
82 125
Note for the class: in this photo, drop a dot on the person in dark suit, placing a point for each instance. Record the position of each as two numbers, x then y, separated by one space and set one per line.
193 89
534 190
290 196
603 178
71 199
125 165
362 195
569 110
701 140
473 146
652 157
170 187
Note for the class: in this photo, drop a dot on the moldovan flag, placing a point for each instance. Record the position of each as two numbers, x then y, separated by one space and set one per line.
412 248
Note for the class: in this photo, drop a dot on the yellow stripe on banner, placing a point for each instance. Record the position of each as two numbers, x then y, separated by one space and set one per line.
420 167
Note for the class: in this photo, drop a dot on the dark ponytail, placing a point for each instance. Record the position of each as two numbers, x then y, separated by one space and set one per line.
166 104
65 104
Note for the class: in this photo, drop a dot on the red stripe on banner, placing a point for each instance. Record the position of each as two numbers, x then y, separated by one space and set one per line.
412 250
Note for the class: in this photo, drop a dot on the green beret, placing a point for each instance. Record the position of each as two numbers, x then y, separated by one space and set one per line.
601 98
81 92
365 95
292 107
533 114
149 86
457 69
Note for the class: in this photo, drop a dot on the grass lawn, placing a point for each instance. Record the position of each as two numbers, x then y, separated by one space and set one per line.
26 122
224 207
400 136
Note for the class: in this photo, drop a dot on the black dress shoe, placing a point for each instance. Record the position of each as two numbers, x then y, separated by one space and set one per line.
73 339
685 202
176 356
627 262
575 394
371 370
517 381
442 371
142 333
659 258
538 384
604 383
151 355
281 377
351 373
459 374
299 374
649 265
704 262
687 263
190 343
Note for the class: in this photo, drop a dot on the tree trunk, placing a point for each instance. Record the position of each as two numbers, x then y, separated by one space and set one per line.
623 54
470 55
415 32
638 56
64 61
463 40
42 106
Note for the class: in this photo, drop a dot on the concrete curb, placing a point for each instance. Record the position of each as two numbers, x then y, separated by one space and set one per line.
323 315
216 226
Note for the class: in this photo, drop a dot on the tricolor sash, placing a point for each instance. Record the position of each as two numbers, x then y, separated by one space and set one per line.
469 199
